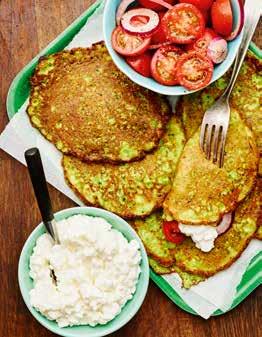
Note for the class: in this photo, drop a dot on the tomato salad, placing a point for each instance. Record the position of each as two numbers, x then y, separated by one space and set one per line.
175 42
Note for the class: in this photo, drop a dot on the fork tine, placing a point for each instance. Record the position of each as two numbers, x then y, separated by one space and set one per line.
202 135
208 140
222 149
216 142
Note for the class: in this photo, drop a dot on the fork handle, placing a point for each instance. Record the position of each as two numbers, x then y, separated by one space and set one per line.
252 15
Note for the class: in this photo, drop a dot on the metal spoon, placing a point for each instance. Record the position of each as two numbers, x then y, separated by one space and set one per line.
37 175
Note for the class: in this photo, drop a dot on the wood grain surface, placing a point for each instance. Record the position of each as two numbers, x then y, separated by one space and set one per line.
26 26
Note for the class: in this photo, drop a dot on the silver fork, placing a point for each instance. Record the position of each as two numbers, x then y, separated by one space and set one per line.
216 119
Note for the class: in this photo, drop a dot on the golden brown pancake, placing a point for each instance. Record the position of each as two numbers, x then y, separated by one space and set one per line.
131 189
151 233
188 280
228 246
202 192
259 230
88 108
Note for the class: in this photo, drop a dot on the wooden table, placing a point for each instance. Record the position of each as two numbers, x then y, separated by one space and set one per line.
26 26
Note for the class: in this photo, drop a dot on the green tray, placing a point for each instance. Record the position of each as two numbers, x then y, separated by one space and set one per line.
18 93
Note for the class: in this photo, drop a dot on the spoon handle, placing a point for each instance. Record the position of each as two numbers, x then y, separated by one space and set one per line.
37 175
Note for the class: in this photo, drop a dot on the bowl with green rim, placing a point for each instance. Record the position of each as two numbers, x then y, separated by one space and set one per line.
128 310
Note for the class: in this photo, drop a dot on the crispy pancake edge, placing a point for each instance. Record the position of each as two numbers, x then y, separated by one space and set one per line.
37 79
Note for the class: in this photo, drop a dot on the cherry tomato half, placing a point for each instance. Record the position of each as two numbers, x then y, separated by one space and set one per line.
129 45
184 23
202 43
141 63
172 232
159 36
194 70
163 65
201 4
206 16
222 17
152 5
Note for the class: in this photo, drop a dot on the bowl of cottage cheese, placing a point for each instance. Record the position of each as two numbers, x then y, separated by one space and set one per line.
89 284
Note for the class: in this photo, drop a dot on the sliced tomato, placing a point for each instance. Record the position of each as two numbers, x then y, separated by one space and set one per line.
203 42
127 44
184 23
206 16
163 65
141 63
222 17
201 4
156 46
172 232
194 70
159 36
153 5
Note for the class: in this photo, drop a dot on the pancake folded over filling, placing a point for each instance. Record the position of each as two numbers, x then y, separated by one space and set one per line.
202 192
228 246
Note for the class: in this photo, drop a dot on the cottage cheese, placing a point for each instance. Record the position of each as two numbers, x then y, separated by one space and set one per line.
203 236
96 270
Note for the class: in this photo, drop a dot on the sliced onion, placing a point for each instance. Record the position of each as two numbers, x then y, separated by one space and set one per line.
121 9
238 25
162 3
158 45
217 50
225 223
148 27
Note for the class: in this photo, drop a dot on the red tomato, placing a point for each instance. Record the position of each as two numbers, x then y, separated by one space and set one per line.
222 17
153 5
163 65
202 43
128 45
172 232
184 23
205 15
141 63
159 36
201 4
194 70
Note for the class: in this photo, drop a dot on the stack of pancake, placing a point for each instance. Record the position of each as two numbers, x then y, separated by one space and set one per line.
126 152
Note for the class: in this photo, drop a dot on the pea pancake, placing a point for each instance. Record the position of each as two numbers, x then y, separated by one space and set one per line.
259 230
246 98
202 192
130 189
228 246
151 233
88 108
259 233
188 280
